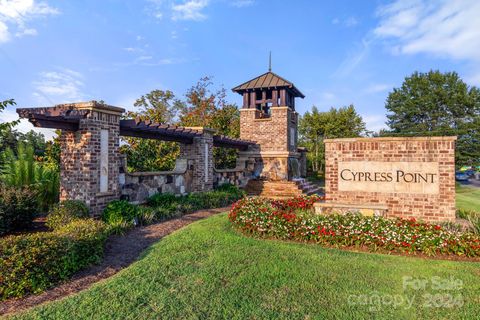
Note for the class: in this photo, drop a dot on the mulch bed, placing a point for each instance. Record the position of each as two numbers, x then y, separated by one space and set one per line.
120 252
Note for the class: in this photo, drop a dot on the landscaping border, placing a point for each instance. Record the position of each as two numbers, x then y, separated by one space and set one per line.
120 252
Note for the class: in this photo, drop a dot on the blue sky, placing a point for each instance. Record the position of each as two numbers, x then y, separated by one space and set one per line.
336 52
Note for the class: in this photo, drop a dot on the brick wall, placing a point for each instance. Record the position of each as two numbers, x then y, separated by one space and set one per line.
80 158
273 133
435 151
196 155
274 136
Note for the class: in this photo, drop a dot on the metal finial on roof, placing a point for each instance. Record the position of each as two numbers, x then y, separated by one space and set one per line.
270 62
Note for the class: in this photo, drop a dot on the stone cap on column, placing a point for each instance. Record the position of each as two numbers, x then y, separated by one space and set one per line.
202 130
67 109
98 106
67 116
378 139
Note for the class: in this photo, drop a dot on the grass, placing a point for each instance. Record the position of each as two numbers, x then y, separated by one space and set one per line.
468 198
208 270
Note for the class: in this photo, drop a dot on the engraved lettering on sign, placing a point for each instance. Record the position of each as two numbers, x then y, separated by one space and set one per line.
388 177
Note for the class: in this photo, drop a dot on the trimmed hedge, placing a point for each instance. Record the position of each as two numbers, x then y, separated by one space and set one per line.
18 207
31 263
66 212
170 205
294 220
121 215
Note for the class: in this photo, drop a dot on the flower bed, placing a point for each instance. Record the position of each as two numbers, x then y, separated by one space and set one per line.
294 220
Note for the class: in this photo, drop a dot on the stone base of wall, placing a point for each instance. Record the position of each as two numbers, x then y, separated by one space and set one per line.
275 166
340 208
138 186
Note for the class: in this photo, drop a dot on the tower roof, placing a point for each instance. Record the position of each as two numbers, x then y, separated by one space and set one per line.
268 80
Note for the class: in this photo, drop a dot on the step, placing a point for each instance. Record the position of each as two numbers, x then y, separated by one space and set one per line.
282 189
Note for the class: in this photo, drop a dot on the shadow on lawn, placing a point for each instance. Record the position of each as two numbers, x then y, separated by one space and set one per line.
120 252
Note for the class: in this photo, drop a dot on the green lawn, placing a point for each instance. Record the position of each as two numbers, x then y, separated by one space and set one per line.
207 270
468 198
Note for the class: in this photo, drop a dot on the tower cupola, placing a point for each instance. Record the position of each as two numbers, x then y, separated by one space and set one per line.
266 91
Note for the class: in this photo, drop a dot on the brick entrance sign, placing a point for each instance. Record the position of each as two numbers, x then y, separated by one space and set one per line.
395 177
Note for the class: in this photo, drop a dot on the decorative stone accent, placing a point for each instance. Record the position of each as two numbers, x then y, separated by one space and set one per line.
138 186
343 208
238 176
412 176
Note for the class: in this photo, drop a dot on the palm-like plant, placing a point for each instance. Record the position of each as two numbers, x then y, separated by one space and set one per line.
22 170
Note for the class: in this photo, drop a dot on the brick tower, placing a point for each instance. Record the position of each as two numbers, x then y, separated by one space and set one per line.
268 117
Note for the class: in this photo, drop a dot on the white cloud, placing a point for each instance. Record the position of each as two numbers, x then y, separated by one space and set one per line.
329 96
132 49
350 22
354 58
444 28
10 114
165 61
375 122
190 10
474 79
378 87
16 14
27 32
242 3
144 58
55 87
4 33
347 22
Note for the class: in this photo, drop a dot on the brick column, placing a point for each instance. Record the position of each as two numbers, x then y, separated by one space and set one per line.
199 157
90 158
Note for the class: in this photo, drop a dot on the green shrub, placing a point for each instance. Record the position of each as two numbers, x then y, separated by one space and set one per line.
162 199
18 207
146 215
66 212
120 213
168 205
31 263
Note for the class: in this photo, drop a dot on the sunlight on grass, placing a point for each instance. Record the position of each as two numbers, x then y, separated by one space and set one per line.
468 198
207 270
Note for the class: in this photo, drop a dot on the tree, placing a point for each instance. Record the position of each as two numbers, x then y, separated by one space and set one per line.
205 108
202 108
7 134
316 126
437 104
153 155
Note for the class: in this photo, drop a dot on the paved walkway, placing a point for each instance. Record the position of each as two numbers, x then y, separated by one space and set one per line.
120 252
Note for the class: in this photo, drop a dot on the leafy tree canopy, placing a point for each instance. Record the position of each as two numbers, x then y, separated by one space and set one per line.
201 108
147 154
437 104
315 126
